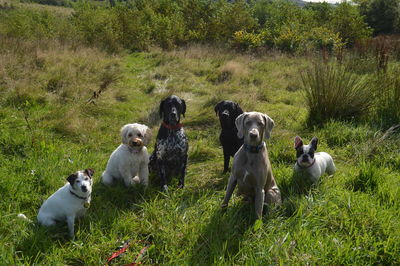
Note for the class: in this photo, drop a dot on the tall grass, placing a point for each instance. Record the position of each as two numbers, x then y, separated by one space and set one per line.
388 99
331 92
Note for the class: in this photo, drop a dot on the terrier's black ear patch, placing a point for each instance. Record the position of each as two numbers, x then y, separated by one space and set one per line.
314 143
71 179
89 172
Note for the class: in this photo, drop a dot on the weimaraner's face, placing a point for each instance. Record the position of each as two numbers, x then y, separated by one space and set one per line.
253 127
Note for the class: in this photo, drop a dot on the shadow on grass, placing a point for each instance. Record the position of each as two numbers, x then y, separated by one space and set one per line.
221 237
293 189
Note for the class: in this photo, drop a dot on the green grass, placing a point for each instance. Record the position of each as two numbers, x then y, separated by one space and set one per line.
45 135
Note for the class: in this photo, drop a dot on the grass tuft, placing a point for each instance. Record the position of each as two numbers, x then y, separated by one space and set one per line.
331 92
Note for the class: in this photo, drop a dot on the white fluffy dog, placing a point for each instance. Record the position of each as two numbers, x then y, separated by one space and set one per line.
69 202
130 160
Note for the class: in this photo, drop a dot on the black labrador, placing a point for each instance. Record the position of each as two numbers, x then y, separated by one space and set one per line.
171 149
228 111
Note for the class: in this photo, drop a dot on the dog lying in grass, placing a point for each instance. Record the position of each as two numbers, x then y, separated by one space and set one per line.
69 202
130 161
251 169
227 112
309 164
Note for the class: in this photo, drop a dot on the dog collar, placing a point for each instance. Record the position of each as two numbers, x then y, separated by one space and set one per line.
177 126
302 167
253 149
79 196
131 150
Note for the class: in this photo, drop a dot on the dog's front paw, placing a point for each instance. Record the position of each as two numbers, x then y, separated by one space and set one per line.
224 205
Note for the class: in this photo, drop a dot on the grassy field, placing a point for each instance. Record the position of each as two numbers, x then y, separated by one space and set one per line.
62 108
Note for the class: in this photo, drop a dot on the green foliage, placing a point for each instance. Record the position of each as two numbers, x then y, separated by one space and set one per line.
321 38
382 15
289 39
367 180
138 25
331 92
248 40
347 21
33 24
388 99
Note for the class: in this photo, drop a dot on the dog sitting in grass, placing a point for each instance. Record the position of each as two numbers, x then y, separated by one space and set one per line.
310 164
129 162
69 202
227 112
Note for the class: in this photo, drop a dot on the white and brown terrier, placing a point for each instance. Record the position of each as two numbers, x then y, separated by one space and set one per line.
69 202
310 164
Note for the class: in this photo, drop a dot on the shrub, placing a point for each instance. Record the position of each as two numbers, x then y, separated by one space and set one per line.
247 40
230 18
347 21
33 24
333 93
323 39
289 40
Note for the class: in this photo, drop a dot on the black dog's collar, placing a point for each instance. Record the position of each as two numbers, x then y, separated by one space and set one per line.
79 196
302 167
176 127
253 149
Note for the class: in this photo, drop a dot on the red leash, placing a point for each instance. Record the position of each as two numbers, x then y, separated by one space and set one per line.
124 248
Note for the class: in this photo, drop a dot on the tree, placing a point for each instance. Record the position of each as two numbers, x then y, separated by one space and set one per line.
381 15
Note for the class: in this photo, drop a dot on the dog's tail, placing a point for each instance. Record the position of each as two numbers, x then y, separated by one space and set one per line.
23 216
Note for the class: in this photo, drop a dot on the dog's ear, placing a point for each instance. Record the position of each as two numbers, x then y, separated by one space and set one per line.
183 104
239 122
161 110
217 107
238 110
89 172
269 125
124 134
146 132
314 142
298 142
71 179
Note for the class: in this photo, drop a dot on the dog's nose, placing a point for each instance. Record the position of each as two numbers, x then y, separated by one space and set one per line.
253 134
84 188
225 113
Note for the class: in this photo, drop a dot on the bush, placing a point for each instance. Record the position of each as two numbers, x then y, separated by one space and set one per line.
34 24
347 21
247 40
321 38
289 40
331 92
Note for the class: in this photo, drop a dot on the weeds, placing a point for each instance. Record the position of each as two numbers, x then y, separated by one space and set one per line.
331 92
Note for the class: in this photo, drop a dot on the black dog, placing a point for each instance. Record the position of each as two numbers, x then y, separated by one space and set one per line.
228 111
171 148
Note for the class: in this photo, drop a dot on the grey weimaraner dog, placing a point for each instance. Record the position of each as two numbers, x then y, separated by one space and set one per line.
251 169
